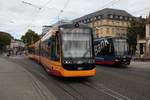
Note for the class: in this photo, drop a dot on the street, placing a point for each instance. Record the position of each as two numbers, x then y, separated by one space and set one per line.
110 83
75 50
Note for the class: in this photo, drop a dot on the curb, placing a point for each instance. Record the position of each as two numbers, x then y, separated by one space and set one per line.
44 93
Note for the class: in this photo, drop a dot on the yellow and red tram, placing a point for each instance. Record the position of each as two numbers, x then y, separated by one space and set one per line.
66 50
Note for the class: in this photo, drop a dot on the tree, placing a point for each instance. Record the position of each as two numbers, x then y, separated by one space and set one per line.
30 37
5 40
137 28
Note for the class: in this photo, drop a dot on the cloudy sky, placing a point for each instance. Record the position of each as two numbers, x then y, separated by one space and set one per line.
17 16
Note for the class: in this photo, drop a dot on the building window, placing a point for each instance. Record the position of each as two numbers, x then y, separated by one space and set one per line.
117 29
108 32
91 19
116 17
113 23
122 23
107 22
117 23
111 16
113 30
101 30
121 17
95 23
126 18
128 24
130 19
123 34
88 20
99 17
99 23
95 18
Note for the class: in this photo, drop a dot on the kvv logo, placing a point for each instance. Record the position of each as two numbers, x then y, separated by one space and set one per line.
100 46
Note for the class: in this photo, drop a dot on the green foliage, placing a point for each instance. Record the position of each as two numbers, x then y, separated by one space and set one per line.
137 28
4 40
30 37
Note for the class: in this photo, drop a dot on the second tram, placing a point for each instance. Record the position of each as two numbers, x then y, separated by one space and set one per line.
111 51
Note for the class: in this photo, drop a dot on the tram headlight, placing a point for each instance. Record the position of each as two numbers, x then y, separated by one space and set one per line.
117 60
67 62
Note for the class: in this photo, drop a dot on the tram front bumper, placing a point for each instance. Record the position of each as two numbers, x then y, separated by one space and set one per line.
78 73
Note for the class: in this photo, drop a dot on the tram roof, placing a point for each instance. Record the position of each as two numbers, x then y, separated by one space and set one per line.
69 24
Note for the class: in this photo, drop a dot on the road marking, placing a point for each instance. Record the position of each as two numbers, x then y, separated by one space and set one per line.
105 90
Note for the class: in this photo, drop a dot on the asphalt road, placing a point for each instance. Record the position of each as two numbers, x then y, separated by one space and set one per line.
110 83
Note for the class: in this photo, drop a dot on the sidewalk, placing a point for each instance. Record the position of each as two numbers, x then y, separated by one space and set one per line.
16 83
140 64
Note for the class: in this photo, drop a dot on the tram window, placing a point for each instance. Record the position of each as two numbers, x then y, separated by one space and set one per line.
53 48
54 52
57 48
106 50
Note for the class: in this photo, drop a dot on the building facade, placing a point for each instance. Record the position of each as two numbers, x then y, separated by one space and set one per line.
16 46
143 44
108 22
148 36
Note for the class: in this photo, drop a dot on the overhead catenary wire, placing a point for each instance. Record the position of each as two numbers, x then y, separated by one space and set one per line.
62 10
142 11
39 9
110 3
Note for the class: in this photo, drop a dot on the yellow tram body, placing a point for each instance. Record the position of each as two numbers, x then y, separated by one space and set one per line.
56 66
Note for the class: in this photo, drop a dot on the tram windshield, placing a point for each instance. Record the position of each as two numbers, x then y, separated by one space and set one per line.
76 43
120 46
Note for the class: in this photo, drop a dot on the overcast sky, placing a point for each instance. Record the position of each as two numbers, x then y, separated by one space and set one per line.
17 17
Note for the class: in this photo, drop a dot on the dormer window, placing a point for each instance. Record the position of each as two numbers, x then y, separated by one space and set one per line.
116 17
130 19
121 17
87 20
99 17
111 16
95 18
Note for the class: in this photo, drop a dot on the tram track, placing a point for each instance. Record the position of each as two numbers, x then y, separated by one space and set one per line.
65 87
71 91
113 83
74 92
105 90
